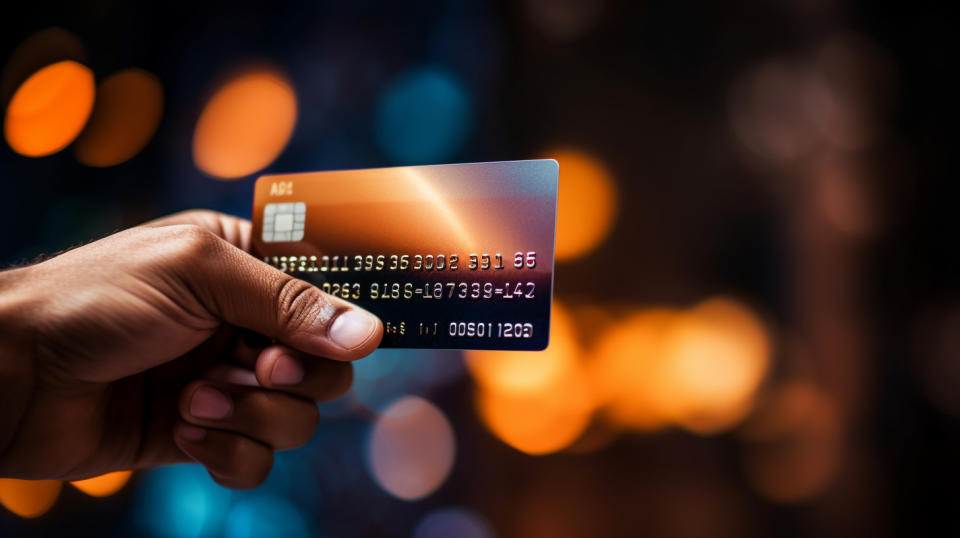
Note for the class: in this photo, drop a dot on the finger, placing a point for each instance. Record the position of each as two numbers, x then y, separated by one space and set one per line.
282 368
247 348
276 419
233 461
236 288
233 230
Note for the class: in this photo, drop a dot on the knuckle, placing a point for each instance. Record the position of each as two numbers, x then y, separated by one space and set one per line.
335 383
311 418
301 430
191 239
302 307
247 462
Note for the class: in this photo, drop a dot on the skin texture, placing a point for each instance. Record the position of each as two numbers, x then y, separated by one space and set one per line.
109 352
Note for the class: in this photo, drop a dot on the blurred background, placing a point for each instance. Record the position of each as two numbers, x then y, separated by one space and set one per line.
757 321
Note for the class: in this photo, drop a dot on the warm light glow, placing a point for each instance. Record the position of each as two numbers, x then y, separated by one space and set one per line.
246 125
125 116
49 109
535 402
539 422
587 203
794 445
103 485
523 372
719 355
29 498
699 369
630 371
411 449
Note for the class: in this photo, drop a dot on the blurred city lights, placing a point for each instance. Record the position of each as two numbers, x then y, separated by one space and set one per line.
125 115
265 516
518 372
719 354
181 501
698 369
103 485
388 374
46 47
857 80
769 111
564 20
841 194
794 444
29 498
587 203
423 117
411 448
245 125
450 522
49 109
629 371
539 422
535 402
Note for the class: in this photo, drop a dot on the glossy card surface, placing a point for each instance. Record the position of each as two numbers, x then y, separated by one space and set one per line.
456 256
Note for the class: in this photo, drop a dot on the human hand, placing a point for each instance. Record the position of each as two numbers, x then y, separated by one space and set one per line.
128 353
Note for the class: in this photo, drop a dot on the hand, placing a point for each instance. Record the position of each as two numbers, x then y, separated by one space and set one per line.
128 353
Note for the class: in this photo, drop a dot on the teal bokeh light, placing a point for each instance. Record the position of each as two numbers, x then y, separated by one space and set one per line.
181 501
265 516
423 117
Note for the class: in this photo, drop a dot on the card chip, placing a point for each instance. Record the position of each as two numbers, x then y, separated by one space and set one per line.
284 222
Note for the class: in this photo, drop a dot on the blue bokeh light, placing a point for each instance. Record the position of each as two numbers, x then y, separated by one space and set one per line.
388 374
265 516
423 117
459 522
181 501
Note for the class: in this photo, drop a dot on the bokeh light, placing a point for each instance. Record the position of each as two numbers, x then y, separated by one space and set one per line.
539 402
125 115
181 501
587 203
519 372
265 516
423 117
411 448
794 444
245 125
45 47
719 354
449 522
699 369
629 371
540 422
388 374
103 485
49 109
29 498
564 20
769 111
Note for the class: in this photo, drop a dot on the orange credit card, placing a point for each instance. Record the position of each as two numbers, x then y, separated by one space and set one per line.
455 256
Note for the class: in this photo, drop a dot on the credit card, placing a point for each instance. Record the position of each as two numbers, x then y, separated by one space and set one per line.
454 256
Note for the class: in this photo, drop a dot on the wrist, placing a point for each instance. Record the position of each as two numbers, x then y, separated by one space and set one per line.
17 352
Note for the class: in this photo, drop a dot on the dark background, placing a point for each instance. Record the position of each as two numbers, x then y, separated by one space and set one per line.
647 88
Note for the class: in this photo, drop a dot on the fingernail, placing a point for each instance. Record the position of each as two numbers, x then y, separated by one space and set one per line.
191 433
209 403
287 371
352 328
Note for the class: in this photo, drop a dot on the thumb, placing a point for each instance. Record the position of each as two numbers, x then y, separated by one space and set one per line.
243 291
